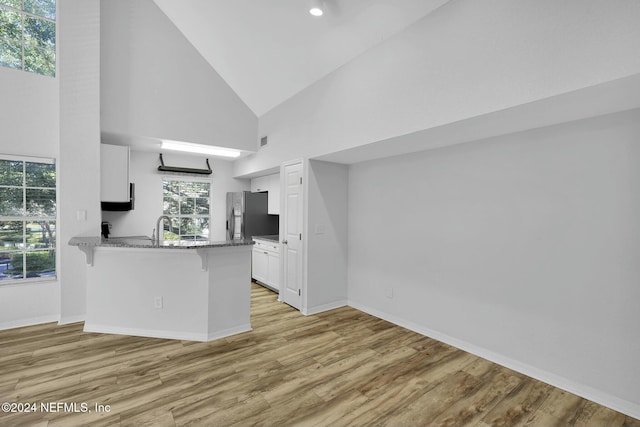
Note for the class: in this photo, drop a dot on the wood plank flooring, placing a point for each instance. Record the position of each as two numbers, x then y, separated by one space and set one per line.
340 368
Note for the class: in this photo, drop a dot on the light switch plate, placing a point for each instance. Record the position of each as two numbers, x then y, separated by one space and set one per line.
157 302
81 215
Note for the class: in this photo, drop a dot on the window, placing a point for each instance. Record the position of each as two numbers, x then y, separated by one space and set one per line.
27 219
28 35
187 203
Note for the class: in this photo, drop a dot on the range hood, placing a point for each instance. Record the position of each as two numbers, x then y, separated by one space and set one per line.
121 206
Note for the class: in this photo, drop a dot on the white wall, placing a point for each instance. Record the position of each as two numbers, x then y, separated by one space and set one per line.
29 123
79 162
28 114
148 203
522 248
466 59
326 237
155 84
510 268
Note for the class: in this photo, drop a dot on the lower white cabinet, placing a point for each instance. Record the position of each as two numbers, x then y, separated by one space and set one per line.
260 265
265 263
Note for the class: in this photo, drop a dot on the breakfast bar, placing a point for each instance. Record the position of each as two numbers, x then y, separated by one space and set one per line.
187 290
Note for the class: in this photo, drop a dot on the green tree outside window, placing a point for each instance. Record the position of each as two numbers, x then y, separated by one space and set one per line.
188 204
27 219
28 35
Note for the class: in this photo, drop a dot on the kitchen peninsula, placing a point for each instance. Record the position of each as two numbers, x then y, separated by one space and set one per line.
187 290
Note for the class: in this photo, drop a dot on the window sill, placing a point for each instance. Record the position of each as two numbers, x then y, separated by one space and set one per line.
28 281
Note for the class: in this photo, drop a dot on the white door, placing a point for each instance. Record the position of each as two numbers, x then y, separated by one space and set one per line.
292 233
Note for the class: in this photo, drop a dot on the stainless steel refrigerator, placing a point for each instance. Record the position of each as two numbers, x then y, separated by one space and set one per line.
247 216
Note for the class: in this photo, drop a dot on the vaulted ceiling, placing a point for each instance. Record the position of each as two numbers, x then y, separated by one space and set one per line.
269 50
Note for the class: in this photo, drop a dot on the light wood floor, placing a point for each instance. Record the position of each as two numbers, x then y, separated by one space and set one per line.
338 368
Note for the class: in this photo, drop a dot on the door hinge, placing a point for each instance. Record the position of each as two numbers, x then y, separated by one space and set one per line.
300 236
299 294
300 180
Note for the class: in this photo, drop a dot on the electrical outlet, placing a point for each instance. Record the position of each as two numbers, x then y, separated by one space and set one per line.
388 292
157 302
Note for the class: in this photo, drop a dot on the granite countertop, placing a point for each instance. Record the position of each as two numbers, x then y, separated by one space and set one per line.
145 242
272 237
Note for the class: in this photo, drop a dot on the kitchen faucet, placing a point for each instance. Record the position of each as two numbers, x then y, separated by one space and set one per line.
159 230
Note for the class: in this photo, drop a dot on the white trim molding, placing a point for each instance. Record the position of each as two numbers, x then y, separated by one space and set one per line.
309 311
66 320
28 322
175 335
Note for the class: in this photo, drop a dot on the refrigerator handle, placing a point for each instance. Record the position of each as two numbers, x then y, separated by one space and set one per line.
232 234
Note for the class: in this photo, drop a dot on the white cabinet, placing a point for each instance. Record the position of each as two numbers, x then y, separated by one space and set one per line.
259 184
271 184
265 263
273 270
114 173
260 265
274 194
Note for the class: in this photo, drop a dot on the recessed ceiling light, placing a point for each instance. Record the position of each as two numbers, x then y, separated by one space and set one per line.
315 8
199 148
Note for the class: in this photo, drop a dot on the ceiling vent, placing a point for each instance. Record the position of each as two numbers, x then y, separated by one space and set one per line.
263 141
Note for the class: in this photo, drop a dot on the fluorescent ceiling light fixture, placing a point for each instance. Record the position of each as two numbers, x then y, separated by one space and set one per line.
199 148
316 8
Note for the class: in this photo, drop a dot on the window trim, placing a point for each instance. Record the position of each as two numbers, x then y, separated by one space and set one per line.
31 159
25 218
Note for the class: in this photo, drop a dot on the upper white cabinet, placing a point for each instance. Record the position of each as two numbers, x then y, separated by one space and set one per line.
260 184
274 194
271 184
114 173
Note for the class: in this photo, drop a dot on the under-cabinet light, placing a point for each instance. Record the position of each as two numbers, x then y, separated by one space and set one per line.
199 148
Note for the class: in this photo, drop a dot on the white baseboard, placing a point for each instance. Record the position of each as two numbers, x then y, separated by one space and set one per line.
174 335
28 322
324 307
66 320
228 332
605 399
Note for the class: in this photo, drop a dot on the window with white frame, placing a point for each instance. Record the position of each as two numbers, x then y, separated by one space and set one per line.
27 218
28 35
188 203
